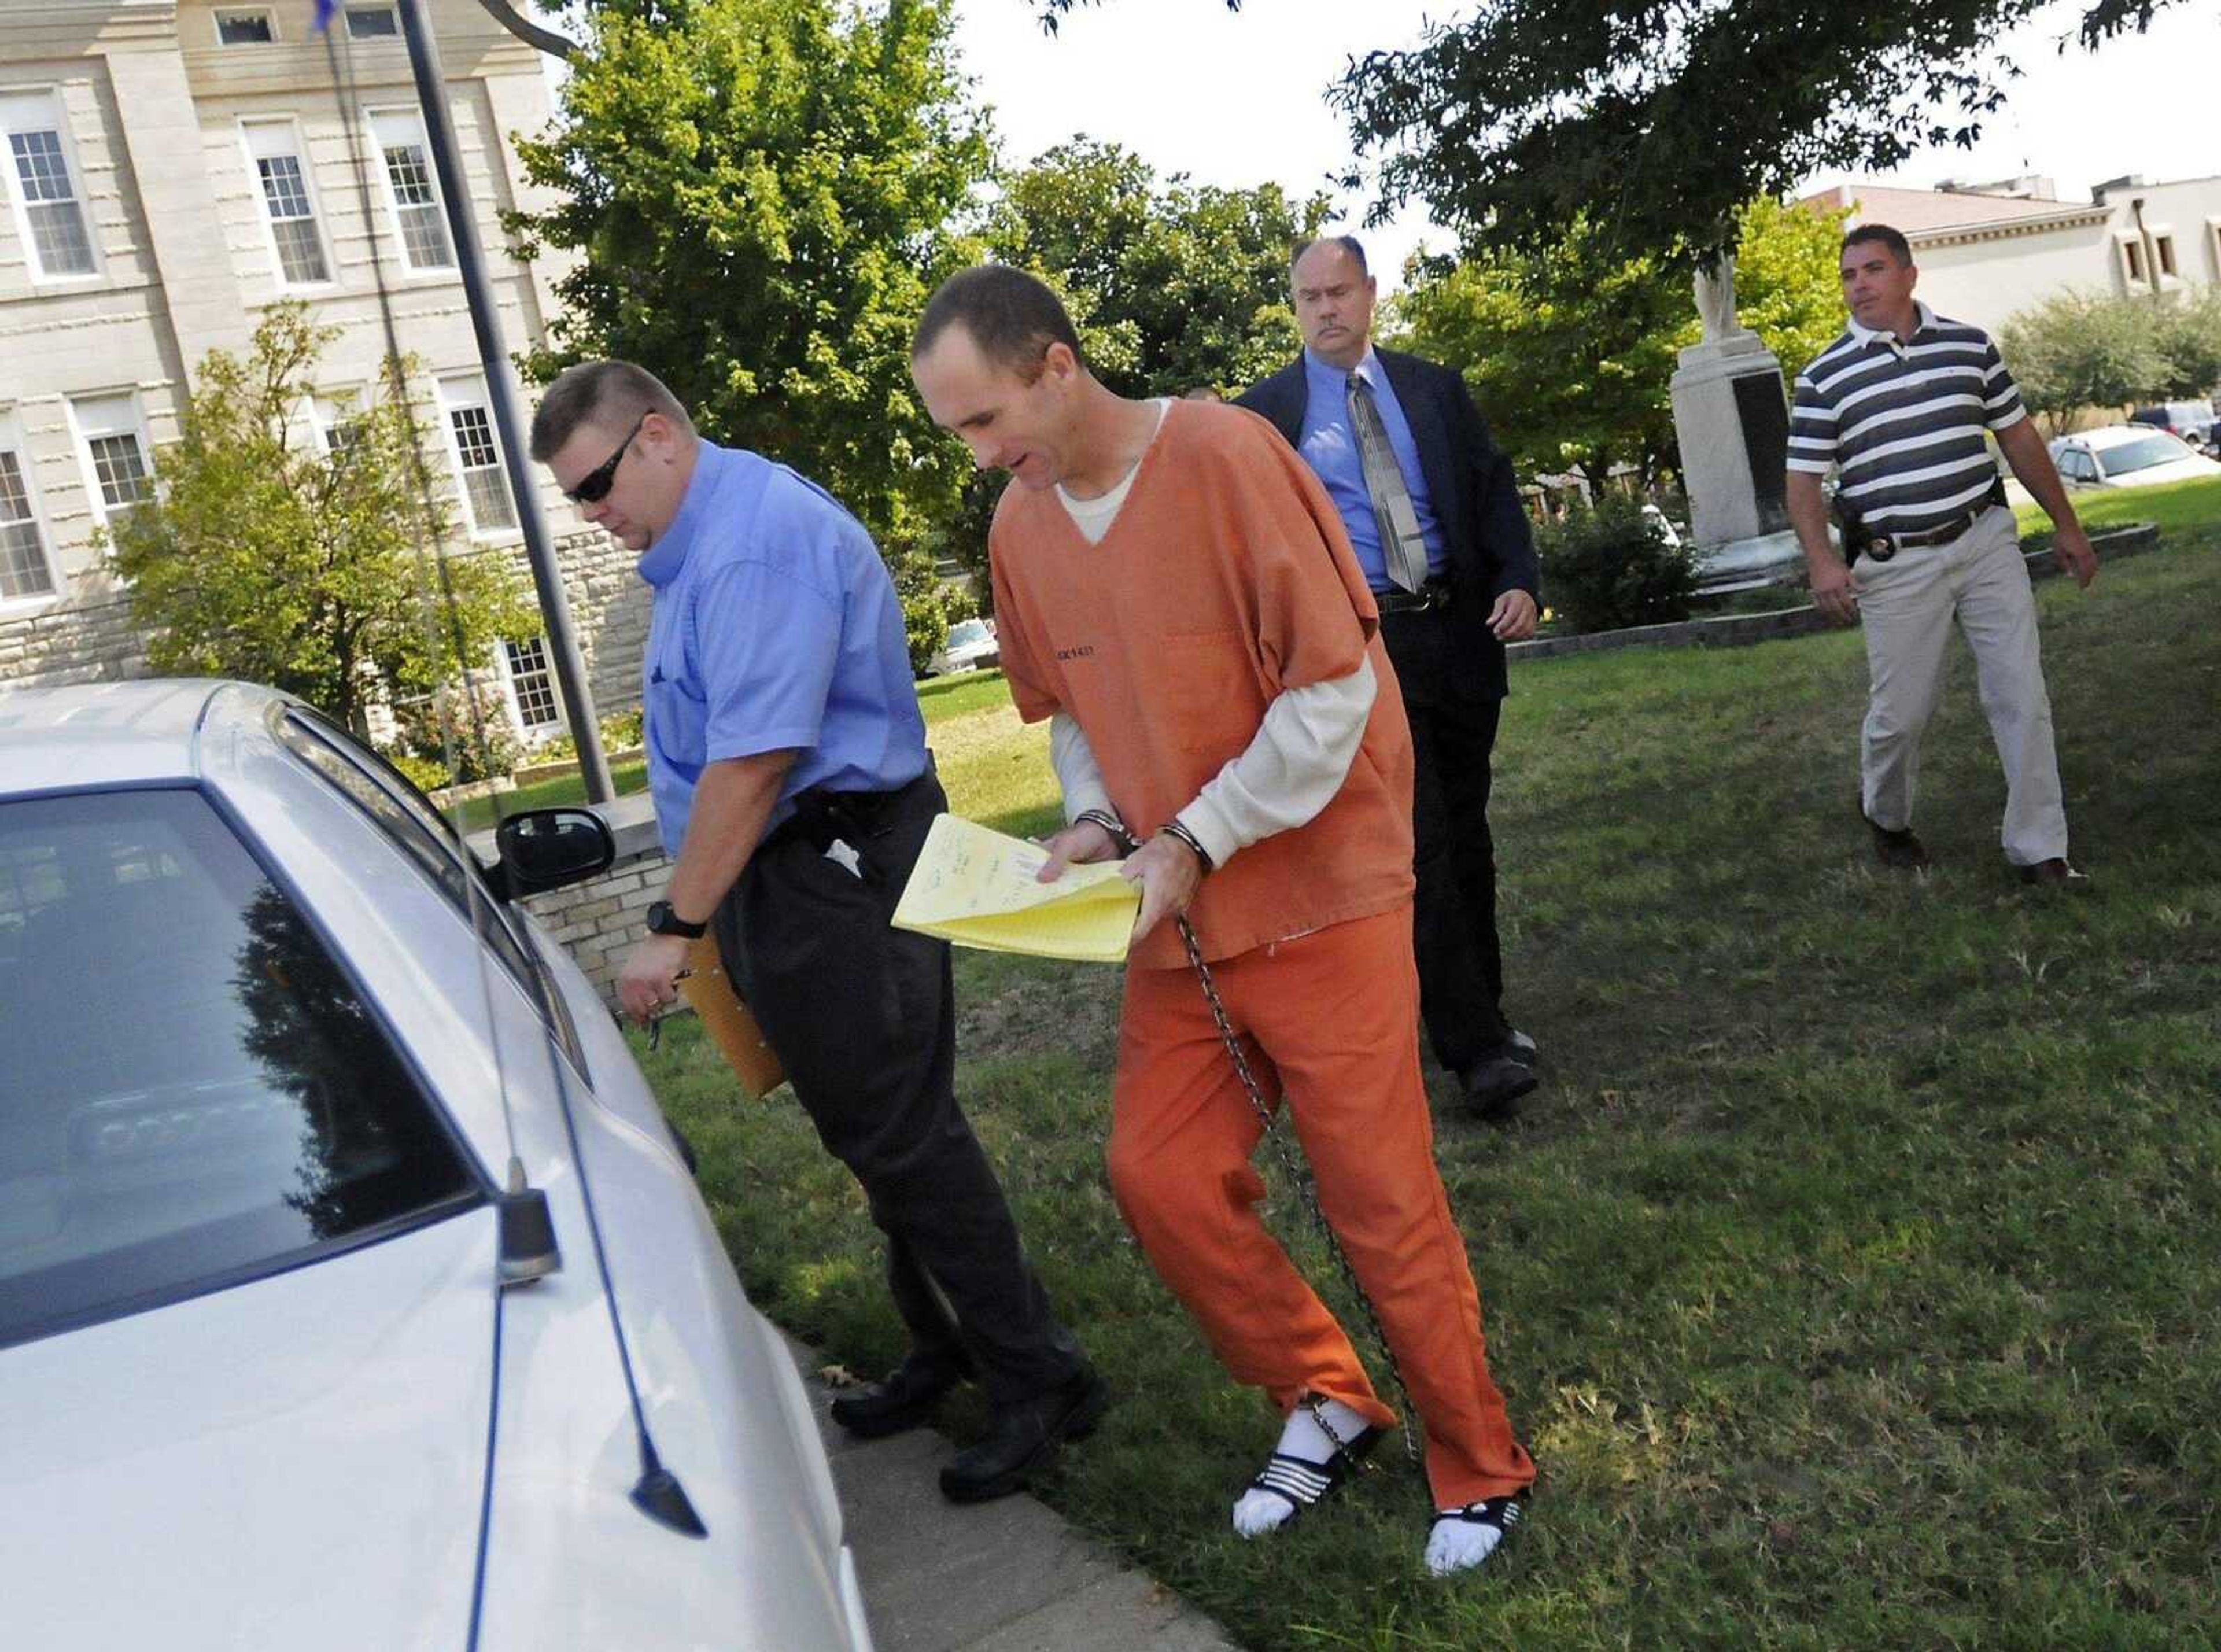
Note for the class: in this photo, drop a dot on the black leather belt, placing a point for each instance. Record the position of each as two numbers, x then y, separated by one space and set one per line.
1428 597
1882 547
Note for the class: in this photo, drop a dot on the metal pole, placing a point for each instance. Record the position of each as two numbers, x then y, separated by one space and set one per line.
493 359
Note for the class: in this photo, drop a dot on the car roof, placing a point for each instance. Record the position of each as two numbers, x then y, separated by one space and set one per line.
139 733
2115 435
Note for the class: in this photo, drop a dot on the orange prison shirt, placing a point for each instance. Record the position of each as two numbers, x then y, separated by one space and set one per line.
1225 577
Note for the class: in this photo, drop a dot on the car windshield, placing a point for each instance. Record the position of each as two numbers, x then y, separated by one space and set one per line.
2143 453
968 631
196 1094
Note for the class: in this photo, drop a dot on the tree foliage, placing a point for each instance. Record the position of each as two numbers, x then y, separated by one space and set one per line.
261 556
1173 287
1178 287
759 194
2082 349
1658 118
1570 348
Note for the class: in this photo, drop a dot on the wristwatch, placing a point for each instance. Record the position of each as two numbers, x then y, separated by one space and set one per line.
661 920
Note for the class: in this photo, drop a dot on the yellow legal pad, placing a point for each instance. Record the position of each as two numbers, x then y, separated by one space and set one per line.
975 886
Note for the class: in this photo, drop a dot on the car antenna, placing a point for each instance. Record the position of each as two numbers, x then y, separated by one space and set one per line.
529 1247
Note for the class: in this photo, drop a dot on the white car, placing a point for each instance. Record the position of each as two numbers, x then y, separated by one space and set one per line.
970 645
2128 455
353 1292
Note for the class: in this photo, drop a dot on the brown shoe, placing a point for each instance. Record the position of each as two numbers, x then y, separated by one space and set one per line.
2054 871
1900 851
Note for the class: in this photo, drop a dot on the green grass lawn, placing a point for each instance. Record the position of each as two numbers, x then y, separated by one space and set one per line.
1856 1275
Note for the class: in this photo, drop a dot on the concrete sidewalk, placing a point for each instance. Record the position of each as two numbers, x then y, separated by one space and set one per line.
1006 1576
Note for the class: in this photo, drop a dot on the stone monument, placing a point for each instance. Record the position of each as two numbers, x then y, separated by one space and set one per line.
1732 422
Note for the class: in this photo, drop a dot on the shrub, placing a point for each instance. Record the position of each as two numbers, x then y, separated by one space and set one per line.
417 733
1608 566
622 731
426 773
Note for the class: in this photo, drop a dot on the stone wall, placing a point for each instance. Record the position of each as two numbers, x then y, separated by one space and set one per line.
75 642
610 608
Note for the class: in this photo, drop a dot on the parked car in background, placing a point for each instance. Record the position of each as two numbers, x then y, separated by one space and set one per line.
352 1289
2193 420
2128 455
971 646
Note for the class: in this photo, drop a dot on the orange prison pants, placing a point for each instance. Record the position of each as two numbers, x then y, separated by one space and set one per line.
1331 1018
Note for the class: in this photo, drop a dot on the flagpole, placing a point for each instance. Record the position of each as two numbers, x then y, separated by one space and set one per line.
564 657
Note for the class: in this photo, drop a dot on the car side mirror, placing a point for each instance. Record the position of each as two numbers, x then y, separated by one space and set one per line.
547 848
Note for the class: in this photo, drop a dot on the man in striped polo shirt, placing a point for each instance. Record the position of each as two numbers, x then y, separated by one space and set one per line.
1898 407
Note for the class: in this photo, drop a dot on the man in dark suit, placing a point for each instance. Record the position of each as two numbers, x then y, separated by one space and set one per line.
1434 516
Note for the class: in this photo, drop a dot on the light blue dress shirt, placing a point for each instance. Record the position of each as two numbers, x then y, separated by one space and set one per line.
775 626
1330 448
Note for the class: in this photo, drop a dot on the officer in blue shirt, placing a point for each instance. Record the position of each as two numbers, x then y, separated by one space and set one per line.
787 761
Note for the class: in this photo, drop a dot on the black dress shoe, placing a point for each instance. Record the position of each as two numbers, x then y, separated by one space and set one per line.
1494 1085
1024 1437
1896 847
904 1398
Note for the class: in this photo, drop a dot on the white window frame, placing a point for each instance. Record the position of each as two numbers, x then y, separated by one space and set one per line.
2131 253
88 430
534 732
11 441
365 8
268 13
270 137
405 123
465 392
16 104
334 409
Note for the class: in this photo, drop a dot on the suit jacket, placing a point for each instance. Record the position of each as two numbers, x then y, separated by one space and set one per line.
1485 528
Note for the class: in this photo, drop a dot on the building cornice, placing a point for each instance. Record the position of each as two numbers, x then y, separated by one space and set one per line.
2010 228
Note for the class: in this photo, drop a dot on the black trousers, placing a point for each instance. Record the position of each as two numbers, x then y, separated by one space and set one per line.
864 1017
1453 862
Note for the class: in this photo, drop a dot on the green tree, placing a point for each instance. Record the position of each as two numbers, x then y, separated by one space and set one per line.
1181 287
2084 349
2189 340
1660 118
260 556
1173 286
1570 348
760 196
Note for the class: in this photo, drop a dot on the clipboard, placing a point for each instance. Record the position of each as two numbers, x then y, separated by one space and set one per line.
728 1023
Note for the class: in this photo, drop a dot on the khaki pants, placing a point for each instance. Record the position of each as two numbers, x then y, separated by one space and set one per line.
1332 1017
1907 605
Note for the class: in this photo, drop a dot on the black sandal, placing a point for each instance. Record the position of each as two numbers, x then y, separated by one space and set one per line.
1300 1483
1501 1513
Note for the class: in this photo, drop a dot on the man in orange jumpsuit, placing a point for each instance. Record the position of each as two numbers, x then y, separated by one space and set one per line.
1175 590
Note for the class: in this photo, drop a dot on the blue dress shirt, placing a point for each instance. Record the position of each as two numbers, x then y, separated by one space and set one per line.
1330 450
775 626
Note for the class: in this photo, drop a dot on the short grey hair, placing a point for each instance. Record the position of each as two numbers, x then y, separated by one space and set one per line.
1349 244
617 393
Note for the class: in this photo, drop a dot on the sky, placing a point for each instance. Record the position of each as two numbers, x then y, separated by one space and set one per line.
1237 99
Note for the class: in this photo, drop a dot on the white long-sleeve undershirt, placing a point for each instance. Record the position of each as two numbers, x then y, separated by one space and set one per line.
1289 770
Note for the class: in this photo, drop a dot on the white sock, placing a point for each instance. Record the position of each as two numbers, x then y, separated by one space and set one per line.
1259 1512
1456 1545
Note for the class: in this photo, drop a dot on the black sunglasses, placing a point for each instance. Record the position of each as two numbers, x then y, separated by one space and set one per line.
594 486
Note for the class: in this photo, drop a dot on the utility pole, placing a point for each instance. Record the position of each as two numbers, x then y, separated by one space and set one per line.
493 358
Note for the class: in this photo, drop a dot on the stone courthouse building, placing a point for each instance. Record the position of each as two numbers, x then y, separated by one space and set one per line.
172 168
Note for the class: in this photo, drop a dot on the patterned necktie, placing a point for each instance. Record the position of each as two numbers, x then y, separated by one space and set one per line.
1403 549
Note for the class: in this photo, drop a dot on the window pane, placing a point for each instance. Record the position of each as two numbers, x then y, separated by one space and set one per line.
244 28
372 22
484 487
23 570
58 232
120 467
424 230
534 685
196 1092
